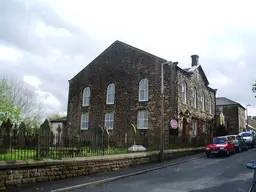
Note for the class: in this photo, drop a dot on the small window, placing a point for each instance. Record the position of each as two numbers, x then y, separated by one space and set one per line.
195 98
142 121
203 102
143 90
109 120
86 96
195 127
85 121
184 92
111 94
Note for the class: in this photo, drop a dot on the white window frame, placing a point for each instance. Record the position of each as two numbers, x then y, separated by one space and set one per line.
203 101
84 121
110 94
142 119
184 92
109 120
86 96
195 98
143 90
195 127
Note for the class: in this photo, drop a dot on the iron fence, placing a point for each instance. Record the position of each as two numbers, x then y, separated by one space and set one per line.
57 146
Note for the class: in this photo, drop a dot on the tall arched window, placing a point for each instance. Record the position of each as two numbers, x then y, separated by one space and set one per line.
143 90
86 96
203 101
184 92
111 94
210 107
195 97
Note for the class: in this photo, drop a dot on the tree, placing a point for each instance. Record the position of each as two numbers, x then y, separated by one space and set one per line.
254 87
8 110
23 98
56 116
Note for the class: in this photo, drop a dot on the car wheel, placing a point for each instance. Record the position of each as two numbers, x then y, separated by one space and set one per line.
252 145
227 154
207 155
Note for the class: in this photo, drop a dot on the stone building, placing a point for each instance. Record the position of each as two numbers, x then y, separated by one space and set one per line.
234 114
123 85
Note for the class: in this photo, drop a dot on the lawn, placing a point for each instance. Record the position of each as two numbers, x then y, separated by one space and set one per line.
55 153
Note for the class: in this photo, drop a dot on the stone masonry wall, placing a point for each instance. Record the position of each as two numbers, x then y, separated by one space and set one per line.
195 80
24 172
124 66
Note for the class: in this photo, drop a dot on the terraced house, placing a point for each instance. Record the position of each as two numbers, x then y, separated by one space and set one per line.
122 86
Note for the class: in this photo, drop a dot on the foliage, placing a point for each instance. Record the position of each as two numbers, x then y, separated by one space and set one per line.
254 87
221 130
8 110
19 102
24 98
56 116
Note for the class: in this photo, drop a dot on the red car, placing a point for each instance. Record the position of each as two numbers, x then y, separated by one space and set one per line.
221 145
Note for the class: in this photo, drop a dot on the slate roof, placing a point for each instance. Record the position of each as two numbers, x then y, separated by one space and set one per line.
226 101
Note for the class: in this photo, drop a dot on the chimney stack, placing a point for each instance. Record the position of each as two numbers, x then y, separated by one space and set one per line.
195 60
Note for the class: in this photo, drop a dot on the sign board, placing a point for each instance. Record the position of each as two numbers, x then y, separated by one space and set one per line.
174 124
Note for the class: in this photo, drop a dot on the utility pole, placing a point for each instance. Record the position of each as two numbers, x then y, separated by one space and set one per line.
162 111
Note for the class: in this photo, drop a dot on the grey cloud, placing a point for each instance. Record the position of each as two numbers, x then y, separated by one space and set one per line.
18 19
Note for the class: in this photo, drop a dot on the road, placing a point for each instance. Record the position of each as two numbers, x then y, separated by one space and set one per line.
211 175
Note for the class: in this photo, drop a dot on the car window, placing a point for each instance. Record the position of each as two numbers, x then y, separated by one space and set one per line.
246 134
220 140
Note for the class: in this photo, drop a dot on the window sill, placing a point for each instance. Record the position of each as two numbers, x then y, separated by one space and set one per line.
84 129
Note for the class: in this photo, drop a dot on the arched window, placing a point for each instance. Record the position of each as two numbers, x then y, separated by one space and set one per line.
143 90
111 94
203 101
184 92
86 96
195 97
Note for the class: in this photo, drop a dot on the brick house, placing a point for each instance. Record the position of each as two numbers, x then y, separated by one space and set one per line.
122 86
234 114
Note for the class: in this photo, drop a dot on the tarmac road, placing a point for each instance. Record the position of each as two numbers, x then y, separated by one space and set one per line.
212 175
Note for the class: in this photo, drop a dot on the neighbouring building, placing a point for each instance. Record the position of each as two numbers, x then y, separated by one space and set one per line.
251 124
57 126
234 114
123 86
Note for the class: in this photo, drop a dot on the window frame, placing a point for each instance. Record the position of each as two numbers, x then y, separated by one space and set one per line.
195 102
184 93
84 119
141 119
143 90
108 120
86 96
111 89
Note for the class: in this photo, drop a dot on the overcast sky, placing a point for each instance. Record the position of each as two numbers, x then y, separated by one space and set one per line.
46 43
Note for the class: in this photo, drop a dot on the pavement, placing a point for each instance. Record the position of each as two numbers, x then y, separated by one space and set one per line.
49 186
198 175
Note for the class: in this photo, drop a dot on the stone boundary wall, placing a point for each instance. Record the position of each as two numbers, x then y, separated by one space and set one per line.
30 171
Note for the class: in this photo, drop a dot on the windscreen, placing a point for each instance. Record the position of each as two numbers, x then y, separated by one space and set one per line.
220 140
246 134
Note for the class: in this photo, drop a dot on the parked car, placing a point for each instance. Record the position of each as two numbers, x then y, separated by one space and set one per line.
249 138
221 145
240 144
252 165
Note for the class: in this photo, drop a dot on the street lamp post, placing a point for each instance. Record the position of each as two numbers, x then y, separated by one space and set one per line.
247 114
162 111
